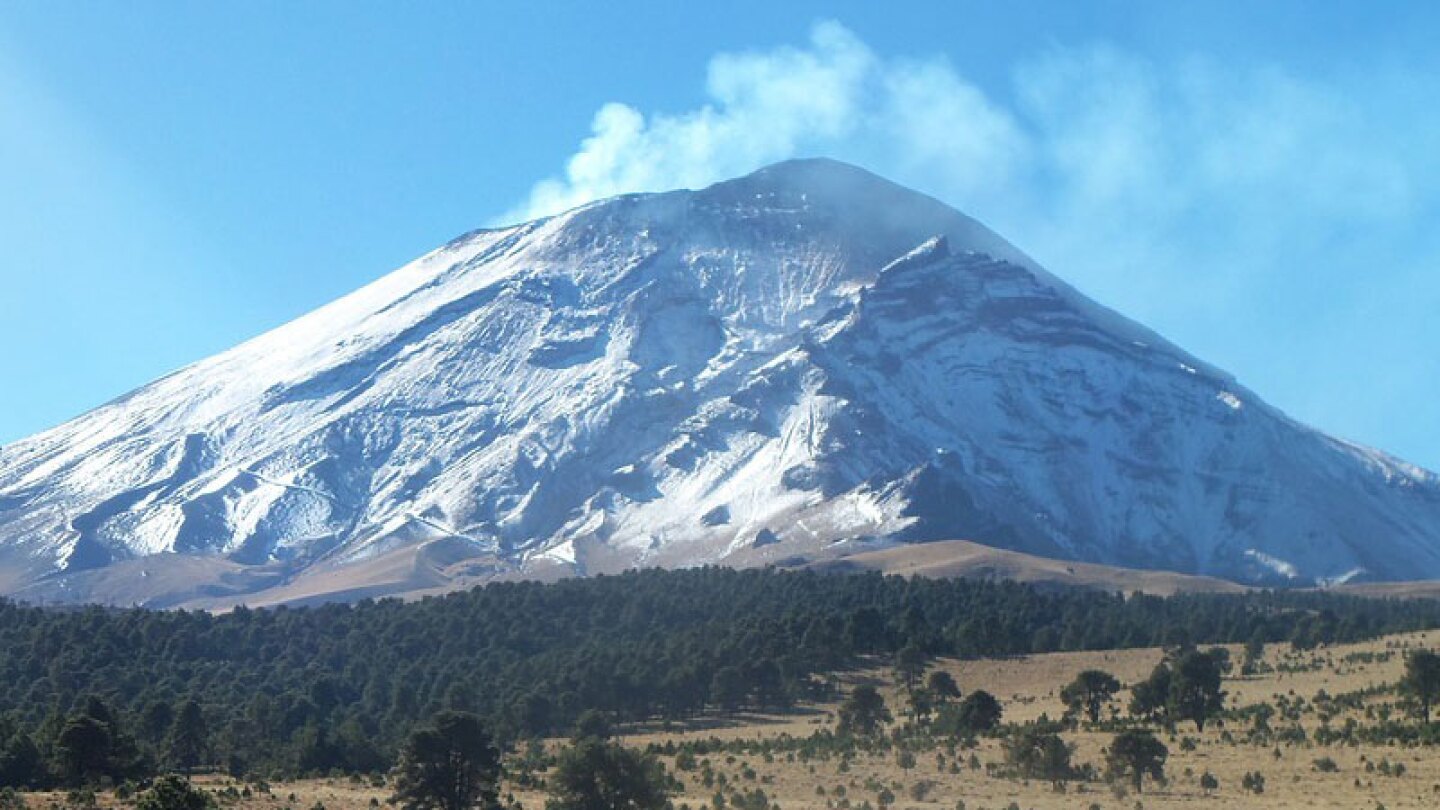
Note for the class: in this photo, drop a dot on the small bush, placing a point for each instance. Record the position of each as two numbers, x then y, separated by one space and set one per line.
175 793
10 799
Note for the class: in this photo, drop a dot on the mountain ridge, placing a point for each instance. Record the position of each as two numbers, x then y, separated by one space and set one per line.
759 369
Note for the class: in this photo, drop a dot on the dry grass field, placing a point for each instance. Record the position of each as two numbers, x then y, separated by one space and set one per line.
1297 774
1029 687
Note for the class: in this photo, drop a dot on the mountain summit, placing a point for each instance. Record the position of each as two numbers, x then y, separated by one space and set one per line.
795 363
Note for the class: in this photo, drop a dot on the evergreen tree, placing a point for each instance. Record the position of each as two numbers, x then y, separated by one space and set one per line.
1134 755
1089 693
1195 692
187 746
593 724
863 713
91 743
1038 753
155 721
452 764
1150 698
910 664
922 704
979 712
941 685
1254 653
21 764
767 683
357 750
728 688
315 751
599 775
1422 680
532 714
84 750
865 630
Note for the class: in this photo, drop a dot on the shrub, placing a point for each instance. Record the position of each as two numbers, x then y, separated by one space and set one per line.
175 793
1209 783
10 799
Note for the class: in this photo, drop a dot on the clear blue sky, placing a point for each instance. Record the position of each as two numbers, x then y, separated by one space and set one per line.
1257 181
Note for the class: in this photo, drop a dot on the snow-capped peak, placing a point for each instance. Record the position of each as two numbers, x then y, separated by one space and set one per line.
744 373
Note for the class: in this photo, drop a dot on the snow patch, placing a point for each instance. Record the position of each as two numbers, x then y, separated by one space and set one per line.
1348 576
1273 563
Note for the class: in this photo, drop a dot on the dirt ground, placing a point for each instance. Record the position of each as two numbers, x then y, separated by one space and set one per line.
1363 777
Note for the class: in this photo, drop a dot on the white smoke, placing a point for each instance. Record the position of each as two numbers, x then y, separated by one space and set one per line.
1195 196
764 107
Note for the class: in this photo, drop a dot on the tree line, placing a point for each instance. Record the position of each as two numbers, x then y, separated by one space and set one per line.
108 694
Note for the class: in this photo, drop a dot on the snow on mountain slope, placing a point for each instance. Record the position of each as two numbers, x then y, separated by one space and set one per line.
750 372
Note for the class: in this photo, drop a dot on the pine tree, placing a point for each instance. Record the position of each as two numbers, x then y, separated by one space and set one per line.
1037 753
1134 755
187 746
910 664
942 686
1422 680
1195 692
1089 693
599 775
451 764
864 712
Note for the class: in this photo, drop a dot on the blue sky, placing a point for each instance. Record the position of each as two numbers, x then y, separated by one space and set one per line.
1257 181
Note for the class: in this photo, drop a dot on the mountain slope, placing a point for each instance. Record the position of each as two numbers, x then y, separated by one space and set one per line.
960 559
740 374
